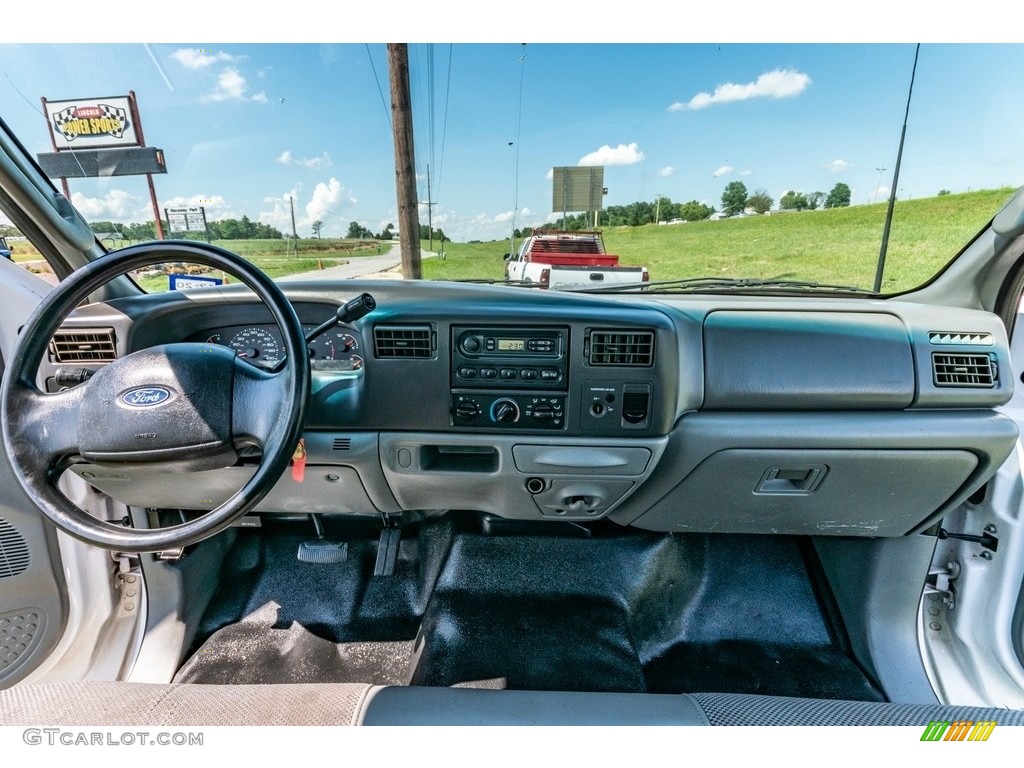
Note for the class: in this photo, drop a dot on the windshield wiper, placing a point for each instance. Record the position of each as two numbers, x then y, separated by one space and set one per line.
732 285
497 281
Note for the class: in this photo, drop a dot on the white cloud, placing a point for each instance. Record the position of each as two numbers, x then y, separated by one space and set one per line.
777 84
721 170
115 204
328 199
550 175
838 165
507 216
197 58
746 173
326 203
287 158
624 154
668 170
232 86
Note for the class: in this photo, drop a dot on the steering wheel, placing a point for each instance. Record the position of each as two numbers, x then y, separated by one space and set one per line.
177 407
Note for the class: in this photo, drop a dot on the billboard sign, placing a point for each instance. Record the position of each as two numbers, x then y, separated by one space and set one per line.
92 123
577 188
191 219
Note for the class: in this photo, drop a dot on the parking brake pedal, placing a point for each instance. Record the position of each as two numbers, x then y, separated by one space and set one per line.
321 550
387 549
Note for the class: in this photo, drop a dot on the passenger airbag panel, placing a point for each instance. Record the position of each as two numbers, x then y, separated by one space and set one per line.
806 361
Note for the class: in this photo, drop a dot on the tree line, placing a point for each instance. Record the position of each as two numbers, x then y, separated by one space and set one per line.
736 200
222 229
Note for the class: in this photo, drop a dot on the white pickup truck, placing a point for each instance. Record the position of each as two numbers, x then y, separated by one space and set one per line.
569 260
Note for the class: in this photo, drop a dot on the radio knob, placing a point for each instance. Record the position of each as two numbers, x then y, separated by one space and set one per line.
471 344
505 411
466 411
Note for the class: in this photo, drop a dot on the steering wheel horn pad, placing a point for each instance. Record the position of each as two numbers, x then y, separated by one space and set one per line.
170 405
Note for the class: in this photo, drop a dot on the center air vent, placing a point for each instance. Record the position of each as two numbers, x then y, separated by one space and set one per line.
633 349
88 345
963 370
403 341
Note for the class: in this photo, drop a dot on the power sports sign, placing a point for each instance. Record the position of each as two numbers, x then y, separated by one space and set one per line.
92 123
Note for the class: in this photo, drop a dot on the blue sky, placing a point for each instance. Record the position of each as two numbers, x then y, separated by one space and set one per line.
246 126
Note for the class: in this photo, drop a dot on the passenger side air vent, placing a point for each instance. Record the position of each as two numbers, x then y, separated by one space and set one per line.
341 443
88 345
634 349
403 341
964 370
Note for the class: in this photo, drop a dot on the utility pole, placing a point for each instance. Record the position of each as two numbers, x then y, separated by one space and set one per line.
879 184
295 235
430 205
405 161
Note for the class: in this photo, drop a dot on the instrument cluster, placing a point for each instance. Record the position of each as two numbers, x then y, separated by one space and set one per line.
339 349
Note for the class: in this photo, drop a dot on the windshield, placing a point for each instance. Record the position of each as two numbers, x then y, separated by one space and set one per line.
575 166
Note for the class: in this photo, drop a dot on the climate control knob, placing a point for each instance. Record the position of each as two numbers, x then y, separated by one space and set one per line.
505 411
466 411
543 412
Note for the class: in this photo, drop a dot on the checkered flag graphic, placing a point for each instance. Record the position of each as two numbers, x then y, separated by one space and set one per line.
65 116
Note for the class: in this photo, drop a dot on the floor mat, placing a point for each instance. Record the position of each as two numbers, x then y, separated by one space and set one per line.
621 610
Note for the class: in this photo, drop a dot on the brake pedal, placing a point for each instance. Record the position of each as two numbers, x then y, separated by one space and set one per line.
321 550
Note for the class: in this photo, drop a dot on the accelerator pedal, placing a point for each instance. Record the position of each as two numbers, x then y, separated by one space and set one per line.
322 550
387 549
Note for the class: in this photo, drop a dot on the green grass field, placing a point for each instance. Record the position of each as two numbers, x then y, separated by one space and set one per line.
839 245
829 246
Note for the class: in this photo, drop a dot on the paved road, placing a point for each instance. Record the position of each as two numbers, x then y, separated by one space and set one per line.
358 266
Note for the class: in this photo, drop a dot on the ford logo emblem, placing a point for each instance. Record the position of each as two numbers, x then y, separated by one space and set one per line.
143 397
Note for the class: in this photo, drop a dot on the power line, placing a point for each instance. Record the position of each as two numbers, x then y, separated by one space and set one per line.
444 122
383 101
519 126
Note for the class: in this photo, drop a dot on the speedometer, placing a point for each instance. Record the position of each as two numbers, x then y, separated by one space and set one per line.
258 345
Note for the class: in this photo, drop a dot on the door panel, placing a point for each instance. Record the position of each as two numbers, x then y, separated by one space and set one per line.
33 602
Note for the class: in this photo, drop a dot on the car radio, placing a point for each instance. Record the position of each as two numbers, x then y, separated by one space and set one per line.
523 371
521 358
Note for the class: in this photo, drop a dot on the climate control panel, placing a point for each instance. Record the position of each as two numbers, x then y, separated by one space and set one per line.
517 410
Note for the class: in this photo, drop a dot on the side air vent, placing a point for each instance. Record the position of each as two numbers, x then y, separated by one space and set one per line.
14 554
403 341
633 349
341 443
88 345
963 370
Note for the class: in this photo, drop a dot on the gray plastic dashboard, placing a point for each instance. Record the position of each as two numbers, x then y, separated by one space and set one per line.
672 413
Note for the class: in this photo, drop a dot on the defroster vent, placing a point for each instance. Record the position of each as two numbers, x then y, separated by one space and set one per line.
964 370
633 349
416 341
87 345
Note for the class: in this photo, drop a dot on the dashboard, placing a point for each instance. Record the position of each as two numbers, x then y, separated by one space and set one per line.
673 413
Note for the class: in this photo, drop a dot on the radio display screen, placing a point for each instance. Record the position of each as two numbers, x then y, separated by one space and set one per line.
511 345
